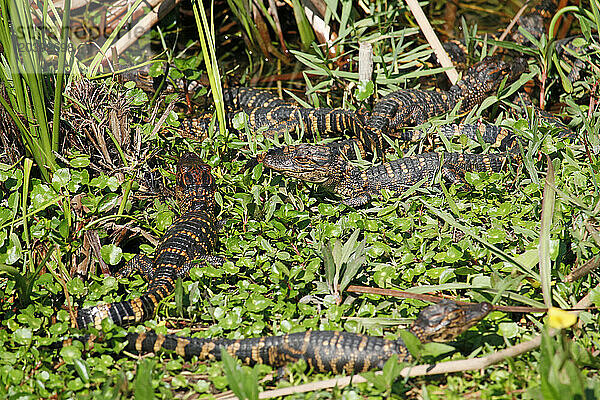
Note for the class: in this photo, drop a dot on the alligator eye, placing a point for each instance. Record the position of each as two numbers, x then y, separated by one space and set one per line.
301 158
435 320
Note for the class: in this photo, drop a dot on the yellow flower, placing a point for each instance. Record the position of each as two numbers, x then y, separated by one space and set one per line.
560 319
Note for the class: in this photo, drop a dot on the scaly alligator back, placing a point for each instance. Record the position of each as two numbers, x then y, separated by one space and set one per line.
406 108
322 350
328 166
188 242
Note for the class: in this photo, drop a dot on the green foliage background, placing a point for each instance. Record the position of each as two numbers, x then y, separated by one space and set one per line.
477 242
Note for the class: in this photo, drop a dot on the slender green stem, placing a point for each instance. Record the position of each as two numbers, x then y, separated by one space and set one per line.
126 191
548 200
25 216
26 176
162 84
102 52
596 10
14 116
60 73
118 146
210 59
304 28
557 16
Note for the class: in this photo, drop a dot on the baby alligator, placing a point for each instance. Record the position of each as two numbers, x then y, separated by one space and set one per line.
323 351
408 108
188 242
274 117
328 166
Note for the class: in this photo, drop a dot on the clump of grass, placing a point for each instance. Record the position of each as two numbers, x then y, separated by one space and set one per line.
27 83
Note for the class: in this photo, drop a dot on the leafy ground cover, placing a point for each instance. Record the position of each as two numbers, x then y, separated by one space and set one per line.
292 249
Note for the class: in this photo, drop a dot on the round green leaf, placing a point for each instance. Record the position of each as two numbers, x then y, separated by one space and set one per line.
111 254
23 336
257 302
508 329
164 219
80 162
61 177
76 287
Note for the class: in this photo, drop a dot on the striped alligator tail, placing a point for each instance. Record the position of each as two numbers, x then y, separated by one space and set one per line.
322 350
127 312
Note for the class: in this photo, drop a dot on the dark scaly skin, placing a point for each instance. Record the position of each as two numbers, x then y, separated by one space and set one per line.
198 126
247 98
237 98
456 50
274 117
187 243
502 138
393 112
390 115
327 165
576 52
496 136
407 108
323 351
311 121
535 22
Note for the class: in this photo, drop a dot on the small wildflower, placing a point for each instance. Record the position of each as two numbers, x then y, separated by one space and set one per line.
560 319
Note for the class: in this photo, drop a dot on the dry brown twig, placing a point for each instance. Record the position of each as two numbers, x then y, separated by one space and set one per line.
583 270
510 26
161 9
432 298
433 40
75 4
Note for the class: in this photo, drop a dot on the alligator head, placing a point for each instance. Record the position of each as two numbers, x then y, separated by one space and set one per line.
196 186
447 319
484 78
311 163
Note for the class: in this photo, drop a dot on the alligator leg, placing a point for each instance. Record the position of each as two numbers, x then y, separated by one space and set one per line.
184 269
141 263
357 200
452 176
213 260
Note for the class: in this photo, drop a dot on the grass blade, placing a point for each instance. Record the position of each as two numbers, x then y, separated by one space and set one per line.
501 254
548 200
329 265
113 36
306 33
60 75
24 82
207 42
26 181
143 380
243 384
